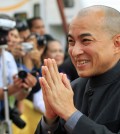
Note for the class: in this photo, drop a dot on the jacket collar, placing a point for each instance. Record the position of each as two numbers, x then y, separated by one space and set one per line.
108 77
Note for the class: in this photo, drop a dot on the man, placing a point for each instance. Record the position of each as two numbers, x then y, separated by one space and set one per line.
36 25
94 47
23 29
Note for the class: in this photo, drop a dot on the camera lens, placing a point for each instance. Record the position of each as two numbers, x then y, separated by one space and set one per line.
22 74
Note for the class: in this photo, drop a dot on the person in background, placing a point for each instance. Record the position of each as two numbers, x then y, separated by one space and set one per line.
22 104
90 108
52 50
23 29
15 47
16 86
20 53
36 25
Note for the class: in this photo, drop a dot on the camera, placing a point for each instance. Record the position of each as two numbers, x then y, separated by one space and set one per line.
41 39
27 46
15 117
23 74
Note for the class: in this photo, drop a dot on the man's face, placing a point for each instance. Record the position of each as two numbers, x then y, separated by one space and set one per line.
25 34
38 27
90 47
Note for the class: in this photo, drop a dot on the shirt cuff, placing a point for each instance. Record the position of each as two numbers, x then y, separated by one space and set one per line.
72 121
49 128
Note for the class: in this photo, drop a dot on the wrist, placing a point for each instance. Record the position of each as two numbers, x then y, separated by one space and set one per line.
68 114
51 121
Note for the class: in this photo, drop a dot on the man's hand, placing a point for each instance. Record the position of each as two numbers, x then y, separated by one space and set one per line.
57 91
49 113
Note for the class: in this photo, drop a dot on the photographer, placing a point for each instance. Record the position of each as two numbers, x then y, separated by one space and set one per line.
16 86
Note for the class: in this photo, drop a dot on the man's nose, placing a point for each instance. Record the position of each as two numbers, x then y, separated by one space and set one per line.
77 49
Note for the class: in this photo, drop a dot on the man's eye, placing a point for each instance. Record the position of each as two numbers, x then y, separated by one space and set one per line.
86 40
69 40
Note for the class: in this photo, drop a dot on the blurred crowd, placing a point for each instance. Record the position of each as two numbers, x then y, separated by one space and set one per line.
28 44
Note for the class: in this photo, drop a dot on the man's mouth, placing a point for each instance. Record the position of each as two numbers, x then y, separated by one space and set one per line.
83 62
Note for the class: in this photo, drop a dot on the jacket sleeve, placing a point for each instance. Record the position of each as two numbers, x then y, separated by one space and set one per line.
83 126
87 126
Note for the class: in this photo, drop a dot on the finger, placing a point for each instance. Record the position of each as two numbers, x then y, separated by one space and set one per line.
18 83
52 71
24 85
56 69
47 76
66 82
44 94
43 90
45 62
61 75
17 80
42 87
30 80
45 87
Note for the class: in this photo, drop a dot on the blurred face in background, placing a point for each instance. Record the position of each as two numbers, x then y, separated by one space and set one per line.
13 38
55 51
25 34
14 41
38 27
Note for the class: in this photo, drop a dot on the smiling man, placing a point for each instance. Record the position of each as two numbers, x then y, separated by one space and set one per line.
89 106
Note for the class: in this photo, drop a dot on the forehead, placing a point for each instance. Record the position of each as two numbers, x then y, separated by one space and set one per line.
87 23
54 44
14 32
37 22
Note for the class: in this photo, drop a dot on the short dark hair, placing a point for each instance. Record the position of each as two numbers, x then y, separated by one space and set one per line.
22 25
30 21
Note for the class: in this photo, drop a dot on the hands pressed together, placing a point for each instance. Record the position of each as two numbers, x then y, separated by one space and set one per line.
57 92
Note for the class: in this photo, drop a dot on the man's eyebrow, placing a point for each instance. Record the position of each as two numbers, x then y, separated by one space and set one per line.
84 35
81 35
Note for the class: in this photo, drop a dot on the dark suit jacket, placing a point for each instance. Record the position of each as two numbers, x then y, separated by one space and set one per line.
98 98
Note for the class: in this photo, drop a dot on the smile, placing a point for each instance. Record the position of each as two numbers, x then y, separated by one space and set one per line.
79 63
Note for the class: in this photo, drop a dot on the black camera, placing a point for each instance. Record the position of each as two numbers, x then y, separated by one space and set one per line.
15 117
41 39
23 74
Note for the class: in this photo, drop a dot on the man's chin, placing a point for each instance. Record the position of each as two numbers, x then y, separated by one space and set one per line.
83 74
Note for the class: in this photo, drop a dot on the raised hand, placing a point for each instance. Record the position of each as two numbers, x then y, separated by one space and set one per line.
57 90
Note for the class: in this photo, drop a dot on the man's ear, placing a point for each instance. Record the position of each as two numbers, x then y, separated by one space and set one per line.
117 43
